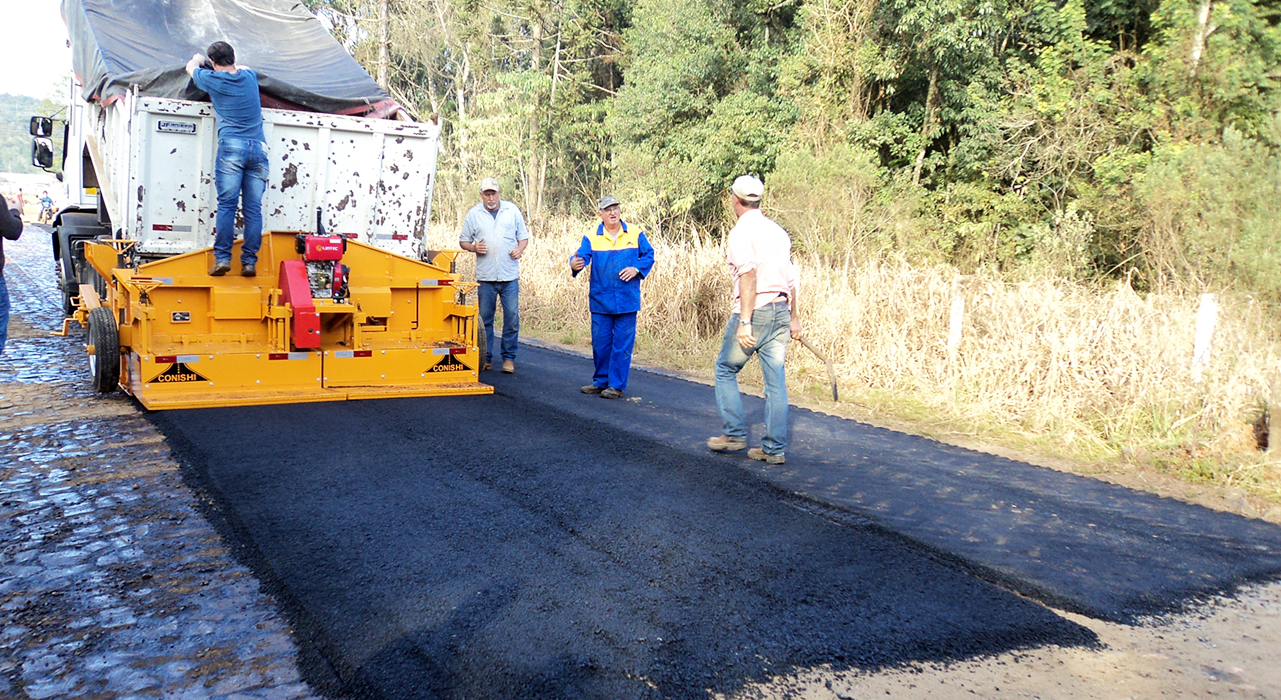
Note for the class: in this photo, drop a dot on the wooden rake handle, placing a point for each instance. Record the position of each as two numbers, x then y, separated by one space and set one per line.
831 373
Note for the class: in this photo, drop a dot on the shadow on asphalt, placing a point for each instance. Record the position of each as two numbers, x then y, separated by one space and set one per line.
499 547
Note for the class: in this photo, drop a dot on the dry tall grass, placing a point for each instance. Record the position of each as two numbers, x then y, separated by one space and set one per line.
1075 368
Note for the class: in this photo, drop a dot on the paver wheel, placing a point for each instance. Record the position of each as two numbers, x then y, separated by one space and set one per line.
480 344
104 350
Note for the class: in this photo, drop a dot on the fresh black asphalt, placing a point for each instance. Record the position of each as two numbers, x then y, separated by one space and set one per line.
1074 542
542 543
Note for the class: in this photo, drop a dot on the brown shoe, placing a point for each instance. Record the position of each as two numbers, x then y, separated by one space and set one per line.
611 393
509 367
219 269
486 367
592 389
725 443
763 456
248 270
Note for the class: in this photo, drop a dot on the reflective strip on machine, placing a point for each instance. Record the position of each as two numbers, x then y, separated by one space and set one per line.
353 353
436 283
288 355
449 351
185 359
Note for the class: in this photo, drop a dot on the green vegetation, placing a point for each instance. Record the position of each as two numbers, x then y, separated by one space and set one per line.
15 133
1085 138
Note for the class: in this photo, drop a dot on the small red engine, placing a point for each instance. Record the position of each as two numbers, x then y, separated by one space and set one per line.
326 275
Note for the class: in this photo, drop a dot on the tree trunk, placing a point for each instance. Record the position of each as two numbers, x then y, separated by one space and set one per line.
551 106
928 128
384 41
1203 31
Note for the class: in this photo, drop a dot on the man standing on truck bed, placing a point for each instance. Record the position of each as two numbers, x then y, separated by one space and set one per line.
241 168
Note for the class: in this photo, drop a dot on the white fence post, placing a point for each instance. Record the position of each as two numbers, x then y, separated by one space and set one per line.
956 320
1274 418
1206 317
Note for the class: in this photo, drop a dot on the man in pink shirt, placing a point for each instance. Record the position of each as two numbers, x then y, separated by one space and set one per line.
763 321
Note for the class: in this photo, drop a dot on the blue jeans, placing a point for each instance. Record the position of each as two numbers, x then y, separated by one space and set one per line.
488 295
771 325
4 313
240 177
613 337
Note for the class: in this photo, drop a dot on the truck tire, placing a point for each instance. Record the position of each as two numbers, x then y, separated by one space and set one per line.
104 359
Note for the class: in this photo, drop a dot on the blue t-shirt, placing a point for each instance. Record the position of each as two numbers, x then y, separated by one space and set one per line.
235 99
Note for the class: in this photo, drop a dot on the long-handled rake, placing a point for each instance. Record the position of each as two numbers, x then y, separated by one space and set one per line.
831 373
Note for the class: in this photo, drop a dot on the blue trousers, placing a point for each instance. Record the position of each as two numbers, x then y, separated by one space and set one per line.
487 297
613 337
240 178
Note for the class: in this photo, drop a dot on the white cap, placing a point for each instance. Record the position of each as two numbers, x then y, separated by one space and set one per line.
748 188
489 184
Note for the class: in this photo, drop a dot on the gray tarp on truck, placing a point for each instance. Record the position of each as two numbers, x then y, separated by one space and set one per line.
119 43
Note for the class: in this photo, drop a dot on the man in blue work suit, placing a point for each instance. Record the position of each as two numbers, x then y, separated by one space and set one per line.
620 259
241 169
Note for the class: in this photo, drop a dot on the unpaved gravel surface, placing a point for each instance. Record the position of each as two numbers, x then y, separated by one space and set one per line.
112 585
1228 648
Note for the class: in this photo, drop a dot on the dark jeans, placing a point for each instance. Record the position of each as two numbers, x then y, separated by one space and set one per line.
4 312
488 295
241 176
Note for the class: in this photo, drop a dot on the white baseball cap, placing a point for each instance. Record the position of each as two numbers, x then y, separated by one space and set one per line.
748 188
489 184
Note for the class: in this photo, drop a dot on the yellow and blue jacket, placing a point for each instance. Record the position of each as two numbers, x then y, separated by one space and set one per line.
608 257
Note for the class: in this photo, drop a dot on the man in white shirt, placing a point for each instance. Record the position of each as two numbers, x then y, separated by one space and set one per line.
495 231
764 318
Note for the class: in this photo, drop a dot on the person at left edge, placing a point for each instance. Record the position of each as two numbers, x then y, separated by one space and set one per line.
495 231
241 168
10 228
620 258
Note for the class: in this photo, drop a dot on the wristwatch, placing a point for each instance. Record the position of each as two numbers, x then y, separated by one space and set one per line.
744 321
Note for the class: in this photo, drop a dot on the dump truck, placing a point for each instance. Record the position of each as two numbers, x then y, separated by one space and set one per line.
349 303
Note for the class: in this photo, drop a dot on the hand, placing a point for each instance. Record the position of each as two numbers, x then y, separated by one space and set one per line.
576 264
627 274
795 326
516 253
745 337
197 58
480 248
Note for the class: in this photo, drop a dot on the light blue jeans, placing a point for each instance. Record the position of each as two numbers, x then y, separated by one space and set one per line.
4 312
771 325
488 296
240 177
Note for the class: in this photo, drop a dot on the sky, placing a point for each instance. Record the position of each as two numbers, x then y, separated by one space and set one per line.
34 50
